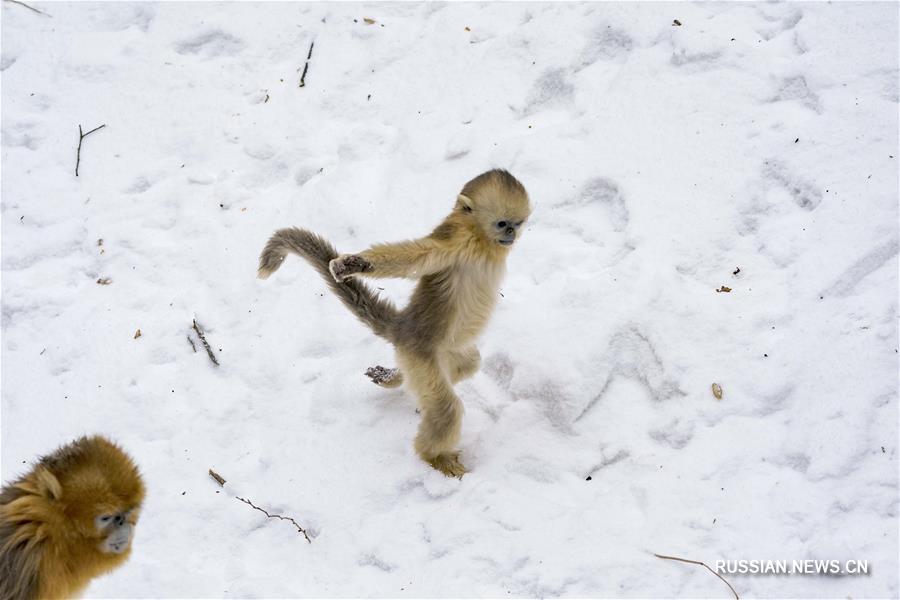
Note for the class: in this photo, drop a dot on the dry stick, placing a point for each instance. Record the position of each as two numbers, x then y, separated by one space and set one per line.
297 525
202 337
306 66
81 139
219 479
703 564
40 12
191 342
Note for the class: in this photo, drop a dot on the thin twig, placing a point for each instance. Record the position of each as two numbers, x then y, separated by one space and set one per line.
217 477
703 564
306 66
265 512
191 342
81 137
202 337
40 12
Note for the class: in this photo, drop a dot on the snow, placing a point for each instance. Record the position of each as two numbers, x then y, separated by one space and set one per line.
659 158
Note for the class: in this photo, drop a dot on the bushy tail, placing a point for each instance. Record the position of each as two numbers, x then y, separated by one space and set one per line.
375 312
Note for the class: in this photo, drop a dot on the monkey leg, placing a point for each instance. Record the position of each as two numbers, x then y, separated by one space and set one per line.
441 414
462 364
386 378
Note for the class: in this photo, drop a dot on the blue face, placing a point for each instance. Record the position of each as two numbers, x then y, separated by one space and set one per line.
117 530
506 231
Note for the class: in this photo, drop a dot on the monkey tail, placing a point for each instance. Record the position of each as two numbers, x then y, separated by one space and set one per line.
379 314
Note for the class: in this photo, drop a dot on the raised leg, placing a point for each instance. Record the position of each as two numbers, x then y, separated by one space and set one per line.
462 364
385 377
441 414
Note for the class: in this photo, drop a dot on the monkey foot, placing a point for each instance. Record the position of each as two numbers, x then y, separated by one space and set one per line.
388 378
448 464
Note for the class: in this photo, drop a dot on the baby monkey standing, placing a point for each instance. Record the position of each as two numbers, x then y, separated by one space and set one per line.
459 267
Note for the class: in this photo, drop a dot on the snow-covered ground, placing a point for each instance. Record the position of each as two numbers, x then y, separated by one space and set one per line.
661 158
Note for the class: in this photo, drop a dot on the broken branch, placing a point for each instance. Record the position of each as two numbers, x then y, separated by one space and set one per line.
81 137
202 337
217 477
40 12
306 66
265 512
702 564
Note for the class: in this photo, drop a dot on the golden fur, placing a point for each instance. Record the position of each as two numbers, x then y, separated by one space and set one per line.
68 520
459 267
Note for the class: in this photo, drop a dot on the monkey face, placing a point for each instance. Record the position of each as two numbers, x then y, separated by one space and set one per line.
105 519
498 204
502 220
101 493
116 531
506 231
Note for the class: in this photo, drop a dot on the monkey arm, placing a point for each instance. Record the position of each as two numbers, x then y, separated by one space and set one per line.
412 259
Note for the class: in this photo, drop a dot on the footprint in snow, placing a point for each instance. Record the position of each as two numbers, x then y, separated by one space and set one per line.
606 43
211 44
796 88
139 186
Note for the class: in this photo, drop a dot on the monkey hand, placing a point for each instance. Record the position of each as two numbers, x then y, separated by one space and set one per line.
347 265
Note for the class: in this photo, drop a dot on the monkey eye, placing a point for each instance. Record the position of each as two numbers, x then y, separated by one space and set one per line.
519 224
502 224
105 518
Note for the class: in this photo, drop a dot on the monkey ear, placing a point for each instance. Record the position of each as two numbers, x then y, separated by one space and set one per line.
48 485
464 203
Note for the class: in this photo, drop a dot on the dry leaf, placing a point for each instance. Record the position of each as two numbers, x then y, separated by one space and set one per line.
467 29
100 242
104 281
717 391
137 334
676 22
724 288
368 21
